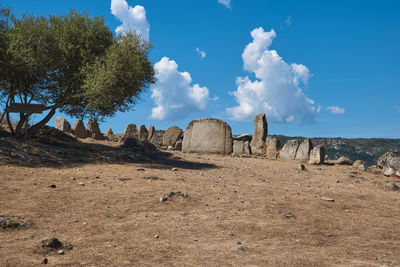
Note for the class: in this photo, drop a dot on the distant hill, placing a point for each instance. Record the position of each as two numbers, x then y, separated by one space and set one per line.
366 149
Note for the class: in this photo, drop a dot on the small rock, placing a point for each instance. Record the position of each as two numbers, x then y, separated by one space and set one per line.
52 242
287 214
230 233
45 261
52 186
302 167
60 252
391 186
81 184
140 169
238 248
398 173
157 236
327 199
174 169
168 195
170 148
362 168
343 161
388 171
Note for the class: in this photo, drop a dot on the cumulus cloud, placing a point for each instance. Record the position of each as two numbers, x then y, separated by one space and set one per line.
201 53
278 87
226 3
174 94
336 110
132 18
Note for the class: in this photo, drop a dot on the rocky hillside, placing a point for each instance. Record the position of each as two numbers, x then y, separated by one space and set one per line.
366 149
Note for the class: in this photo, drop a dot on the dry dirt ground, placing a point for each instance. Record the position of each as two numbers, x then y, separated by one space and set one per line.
112 215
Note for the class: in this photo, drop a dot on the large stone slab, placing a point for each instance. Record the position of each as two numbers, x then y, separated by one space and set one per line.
260 134
238 147
157 138
317 155
94 130
273 147
208 136
303 152
63 125
79 129
143 134
130 132
171 136
289 150
151 132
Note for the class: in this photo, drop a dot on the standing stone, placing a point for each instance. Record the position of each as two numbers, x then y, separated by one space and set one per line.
260 134
178 146
247 148
79 129
130 132
389 160
151 132
238 147
63 125
94 130
143 134
317 155
109 135
157 138
303 153
171 136
273 147
289 150
208 136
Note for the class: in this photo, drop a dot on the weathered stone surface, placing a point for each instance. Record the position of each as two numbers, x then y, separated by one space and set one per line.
260 134
238 147
63 125
317 155
247 148
391 186
208 136
171 136
79 129
130 132
387 171
389 160
178 146
343 161
109 135
151 132
362 168
358 163
243 137
143 134
289 150
303 152
273 147
157 138
398 173
94 130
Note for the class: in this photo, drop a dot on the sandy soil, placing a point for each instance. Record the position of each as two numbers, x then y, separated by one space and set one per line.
112 214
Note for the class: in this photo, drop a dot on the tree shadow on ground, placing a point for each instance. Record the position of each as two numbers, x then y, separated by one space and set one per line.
53 148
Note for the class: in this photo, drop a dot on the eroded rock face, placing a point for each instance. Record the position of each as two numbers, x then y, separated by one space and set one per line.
317 155
208 136
273 147
130 132
389 160
63 125
109 135
343 161
303 152
238 147
157 138
289 150
260 134
151 132
94 130
79 129
143 134
171 136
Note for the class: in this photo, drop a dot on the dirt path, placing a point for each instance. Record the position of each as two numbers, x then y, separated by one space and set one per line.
239 212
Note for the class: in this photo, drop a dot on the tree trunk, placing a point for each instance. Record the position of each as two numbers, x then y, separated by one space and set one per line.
31 131
18 129
10 124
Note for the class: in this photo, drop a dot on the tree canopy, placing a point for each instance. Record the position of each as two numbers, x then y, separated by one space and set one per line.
73 63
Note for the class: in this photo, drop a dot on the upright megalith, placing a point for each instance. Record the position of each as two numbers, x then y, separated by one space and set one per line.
317 155
151 132
289 150
273 147
130 132
260 134
109 135
171 136
79 129
157 138
238 147
143 134
303 152
63 125
94 130
208 136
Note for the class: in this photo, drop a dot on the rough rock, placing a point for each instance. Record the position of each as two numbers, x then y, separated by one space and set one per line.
168 195
171 136
260 134
391 186
317 155
79 129
389 160
398 173
109 135
247 148
178 146
143 134
7 223
63 125
388 171
238 147
343 161
94 130
157 138
52 242
358 162
289 150
130 132
362 168
303 152
273 147
208 136
151 132
243 137
238 248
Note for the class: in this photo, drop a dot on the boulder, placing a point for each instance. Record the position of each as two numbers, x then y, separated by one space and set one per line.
358 163
151 132
94 130
79 129
260 134
143 134
273 146
157 138
208 136
109 135
63 125
343 161
317 155
243 137
362 167
303 152
387 171
389 160
171 136
289 150
238 147
247 148
130 132
398 173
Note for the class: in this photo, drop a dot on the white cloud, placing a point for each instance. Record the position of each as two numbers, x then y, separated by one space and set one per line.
289 21
278 88
201 53
226 3
174 95
132 18
336 110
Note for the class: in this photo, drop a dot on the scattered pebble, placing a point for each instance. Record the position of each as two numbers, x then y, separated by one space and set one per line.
140 169
52 242
52 186
391 186
81 184
60 252
157 236
168 195
302 167
237 248
45 261
174 169
327 199
287 214
230 233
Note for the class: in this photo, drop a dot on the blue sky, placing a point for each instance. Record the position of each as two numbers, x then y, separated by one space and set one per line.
317 68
